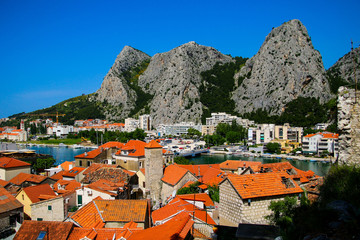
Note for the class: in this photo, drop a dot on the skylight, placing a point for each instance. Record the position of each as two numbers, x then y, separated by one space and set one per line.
41 236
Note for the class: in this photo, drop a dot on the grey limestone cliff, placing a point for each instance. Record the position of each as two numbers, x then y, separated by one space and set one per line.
173 78
114 89
287 66
345 66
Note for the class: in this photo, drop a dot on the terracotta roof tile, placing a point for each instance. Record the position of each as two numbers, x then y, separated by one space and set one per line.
200 169
112 145
198 197
235 164
7 201
67 165
6 162
58 175
73 172
108 173
188 183
213 177
173 174
26 177
111 210
66 185
3 183
33 192
176 228
95 166
136 148
89 155
263 185
178 205
30 230
153 144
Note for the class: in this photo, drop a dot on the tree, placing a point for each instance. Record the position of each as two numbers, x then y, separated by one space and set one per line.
182 160
138 134
273 148
282 212
232 137
214 193
193 188
43 163
193 132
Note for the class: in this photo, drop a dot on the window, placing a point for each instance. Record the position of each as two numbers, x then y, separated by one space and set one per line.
49 207
88 163
22 197
143 184
41 236
39 219
80 163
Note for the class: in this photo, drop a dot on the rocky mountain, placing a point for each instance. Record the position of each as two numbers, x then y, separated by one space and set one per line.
115 90
173 78
342 72
286 66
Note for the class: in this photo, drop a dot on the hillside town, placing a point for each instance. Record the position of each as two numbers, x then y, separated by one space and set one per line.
131 190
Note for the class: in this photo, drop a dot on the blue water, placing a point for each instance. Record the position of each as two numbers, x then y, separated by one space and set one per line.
62 154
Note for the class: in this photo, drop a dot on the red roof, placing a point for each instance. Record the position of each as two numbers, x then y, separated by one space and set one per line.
34 192
62 186
3 183
95 166
58 175
323 135
178 205
73 172
6 162
153 144
263 185
7 201
112 145
67 165
198 197
200 169
102 211
177 228
136 148
30 230
235 164
173 174
89 155
26 177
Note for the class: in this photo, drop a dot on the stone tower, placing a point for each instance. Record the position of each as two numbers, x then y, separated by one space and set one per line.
153 170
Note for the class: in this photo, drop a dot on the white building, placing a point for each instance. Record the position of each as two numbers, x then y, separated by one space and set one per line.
145 122
320 142
321 126
60 130
263 134
220 117
177 129
131 124
14 135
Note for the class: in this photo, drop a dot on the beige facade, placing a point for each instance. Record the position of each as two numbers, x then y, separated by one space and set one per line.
167 189
141 181
208 129
9 173
286 132
55 209
85 195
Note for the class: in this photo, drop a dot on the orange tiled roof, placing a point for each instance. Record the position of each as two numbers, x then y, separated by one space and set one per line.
173 174
111 211
136 148
213 177
200 169
106 185
112 145
142 170
89 155
66 165
95 166
177 228
6 162
73 172
262 185
3 183
111 174
30 230
178 205
33 192
66 185
58 175
324 135
198 197
22 177
7 201
153 144
235 164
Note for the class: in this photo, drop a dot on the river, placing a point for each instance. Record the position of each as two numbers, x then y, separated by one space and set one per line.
62 154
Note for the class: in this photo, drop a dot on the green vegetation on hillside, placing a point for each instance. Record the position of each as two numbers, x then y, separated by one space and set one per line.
132 77
301 112
216 87
80 107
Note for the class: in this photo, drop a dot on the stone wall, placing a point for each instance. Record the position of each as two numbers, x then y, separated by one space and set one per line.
168 189
349 126
153 172
41 210
234 210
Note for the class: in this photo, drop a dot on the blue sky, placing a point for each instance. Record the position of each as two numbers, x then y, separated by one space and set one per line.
54 50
